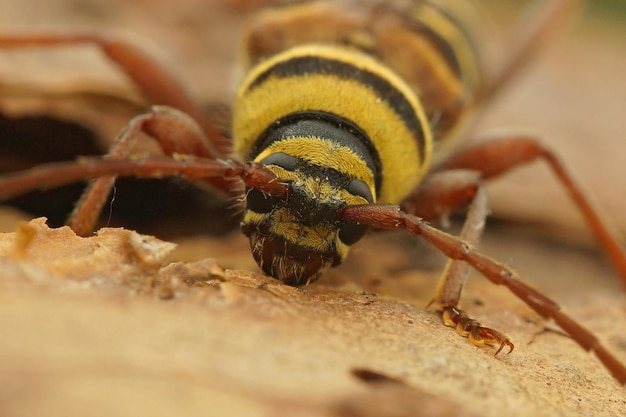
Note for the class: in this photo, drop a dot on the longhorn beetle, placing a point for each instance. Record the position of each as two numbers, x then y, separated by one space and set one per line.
343 126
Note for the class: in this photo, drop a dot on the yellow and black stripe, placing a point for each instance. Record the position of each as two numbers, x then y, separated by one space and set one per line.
340 124
448 70
450 31
347 88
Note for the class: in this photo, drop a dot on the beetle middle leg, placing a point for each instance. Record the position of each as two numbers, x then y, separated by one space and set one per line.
174 131
497 156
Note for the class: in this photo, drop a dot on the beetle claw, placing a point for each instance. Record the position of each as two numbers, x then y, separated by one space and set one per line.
474 331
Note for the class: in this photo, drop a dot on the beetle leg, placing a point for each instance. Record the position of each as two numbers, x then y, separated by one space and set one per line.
495 157
451 284
175 131
390 217
56 174
442 193
474 331
155 82
454 276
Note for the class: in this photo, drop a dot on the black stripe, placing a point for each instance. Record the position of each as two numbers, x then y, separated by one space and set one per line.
323 125
441 44
458 23
306 65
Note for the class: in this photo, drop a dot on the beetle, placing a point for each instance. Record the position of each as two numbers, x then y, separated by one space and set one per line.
347 125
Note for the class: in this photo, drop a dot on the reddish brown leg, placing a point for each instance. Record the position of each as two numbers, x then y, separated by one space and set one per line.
440 194
391 218
495 157
185 130
61 173
175 132
155 83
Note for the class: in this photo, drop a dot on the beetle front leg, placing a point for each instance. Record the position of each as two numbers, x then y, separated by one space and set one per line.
390 217
56 174
440 194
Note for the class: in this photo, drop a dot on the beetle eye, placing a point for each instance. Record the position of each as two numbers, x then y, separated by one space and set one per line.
358 187
282 160
350 233
258 201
